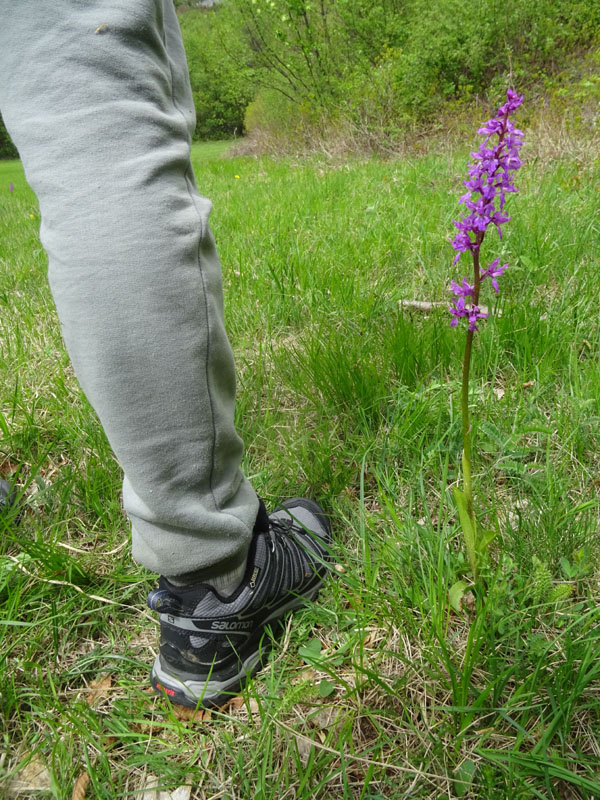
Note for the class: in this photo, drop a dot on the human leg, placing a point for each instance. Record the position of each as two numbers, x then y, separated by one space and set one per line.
97 98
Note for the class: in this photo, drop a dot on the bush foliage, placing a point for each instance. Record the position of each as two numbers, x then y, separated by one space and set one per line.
222 82
371 68
7 148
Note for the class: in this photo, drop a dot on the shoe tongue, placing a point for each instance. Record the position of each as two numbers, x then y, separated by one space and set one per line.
261 524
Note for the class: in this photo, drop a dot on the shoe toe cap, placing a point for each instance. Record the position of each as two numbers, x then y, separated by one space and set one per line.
308 514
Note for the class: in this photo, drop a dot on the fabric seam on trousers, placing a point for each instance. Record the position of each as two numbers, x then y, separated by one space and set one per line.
202 280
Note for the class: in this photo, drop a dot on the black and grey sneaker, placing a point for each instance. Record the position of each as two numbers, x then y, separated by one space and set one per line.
211 644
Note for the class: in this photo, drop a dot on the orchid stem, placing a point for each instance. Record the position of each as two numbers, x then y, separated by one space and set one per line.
466 457
466 422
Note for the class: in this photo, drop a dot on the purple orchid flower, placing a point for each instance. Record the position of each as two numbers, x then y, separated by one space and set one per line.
493 272
490 180
462 290
474 314
471 312
458 310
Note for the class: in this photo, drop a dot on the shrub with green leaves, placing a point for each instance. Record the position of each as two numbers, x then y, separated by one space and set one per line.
7 148
221 84
369 70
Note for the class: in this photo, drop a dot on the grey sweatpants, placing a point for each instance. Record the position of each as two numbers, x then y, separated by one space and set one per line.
96 96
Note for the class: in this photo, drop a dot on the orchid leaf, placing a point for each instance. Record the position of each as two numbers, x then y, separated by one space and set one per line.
467 523
456 594
484 539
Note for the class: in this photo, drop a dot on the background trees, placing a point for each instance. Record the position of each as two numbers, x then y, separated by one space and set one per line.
369 69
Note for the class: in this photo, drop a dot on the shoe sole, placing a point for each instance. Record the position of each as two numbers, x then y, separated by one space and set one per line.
210 692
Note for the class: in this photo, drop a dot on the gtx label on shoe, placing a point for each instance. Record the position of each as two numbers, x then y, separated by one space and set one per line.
254 578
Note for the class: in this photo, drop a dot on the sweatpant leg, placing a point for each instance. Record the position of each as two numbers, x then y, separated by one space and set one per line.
96 96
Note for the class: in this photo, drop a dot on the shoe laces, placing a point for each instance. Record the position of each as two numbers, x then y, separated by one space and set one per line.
281 530
298 554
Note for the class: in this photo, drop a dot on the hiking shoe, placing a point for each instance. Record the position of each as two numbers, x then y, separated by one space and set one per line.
209 644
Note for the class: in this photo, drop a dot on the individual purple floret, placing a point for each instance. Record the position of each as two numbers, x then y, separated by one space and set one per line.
475 314
493 272
462 243
471 312
463 289
459 309
490 180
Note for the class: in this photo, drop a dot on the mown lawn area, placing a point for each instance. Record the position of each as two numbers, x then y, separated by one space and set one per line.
351 395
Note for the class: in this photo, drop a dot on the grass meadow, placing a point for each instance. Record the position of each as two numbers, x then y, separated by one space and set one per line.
346 393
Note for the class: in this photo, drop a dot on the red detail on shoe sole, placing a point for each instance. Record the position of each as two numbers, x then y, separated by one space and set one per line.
170 692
